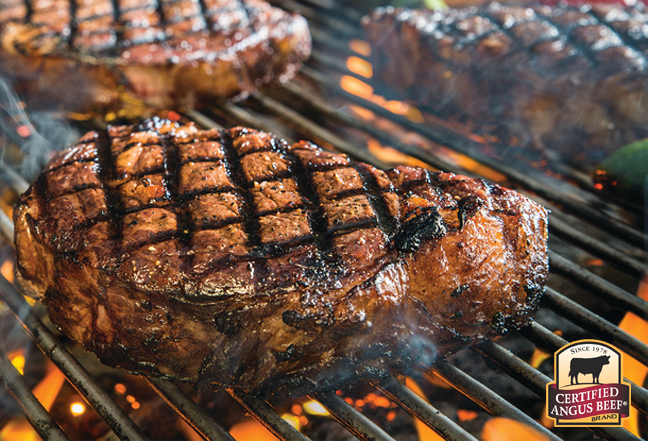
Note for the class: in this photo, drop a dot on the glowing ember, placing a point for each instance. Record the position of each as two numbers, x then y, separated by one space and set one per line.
360 67
77 409
251 430
505 429
120 389
356 87
466 415
293 420
390 155
315 408
173 116
595 262
633 370
361 47
7 270
468 163
362 112
18 360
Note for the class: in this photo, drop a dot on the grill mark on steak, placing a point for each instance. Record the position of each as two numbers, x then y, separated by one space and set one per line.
171 172
385 221
118 30
304 180
106 173
248 218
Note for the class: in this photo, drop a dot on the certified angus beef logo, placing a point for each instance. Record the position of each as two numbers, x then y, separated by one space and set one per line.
588 390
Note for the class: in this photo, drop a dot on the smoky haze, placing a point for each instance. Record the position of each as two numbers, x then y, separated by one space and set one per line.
38 135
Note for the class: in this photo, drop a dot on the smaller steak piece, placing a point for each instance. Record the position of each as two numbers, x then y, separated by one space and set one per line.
233 258
566 79
83 54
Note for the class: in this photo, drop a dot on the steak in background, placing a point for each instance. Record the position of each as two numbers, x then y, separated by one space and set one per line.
233 258
83 54
565 79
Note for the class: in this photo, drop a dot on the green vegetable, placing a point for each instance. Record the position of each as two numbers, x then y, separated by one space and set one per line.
430 4
628 166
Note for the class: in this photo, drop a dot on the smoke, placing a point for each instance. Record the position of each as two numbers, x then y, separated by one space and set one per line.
37 136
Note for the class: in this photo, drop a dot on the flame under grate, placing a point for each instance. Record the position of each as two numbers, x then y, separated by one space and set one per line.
589 271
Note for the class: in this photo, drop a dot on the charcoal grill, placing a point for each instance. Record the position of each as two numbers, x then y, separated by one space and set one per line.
583 223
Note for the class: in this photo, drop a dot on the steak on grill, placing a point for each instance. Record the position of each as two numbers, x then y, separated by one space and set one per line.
553 78
83 54
231 257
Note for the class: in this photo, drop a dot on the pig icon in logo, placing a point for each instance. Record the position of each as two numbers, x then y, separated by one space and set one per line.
587 366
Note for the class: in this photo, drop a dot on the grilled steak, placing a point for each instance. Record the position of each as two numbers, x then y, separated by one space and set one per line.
565 79
232 257
82 54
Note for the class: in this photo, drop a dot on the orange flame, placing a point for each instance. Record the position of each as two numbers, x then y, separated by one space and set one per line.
633 370
7 270
424 432
361 47
360 67
46 392
251 430
505 429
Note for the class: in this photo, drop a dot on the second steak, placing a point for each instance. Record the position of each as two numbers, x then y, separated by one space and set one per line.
567 79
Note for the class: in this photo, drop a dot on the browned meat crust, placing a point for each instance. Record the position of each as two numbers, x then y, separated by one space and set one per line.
573 80
231 257
82 54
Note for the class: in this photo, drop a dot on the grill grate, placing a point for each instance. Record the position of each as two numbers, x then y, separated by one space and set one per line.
333 25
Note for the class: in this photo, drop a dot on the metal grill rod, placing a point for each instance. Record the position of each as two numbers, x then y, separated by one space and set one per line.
36 414
421 409
621 297
558 224
354 421
485 397
324 108
51 346
522 372
187 408
264 414
594 323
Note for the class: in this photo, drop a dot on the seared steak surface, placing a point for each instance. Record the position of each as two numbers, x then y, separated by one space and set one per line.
233 258
566 79
82 54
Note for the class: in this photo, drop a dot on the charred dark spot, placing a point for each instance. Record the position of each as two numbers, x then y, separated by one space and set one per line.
227 324
534 293
291 353
146 304
468 207
457 292
498 324
425 226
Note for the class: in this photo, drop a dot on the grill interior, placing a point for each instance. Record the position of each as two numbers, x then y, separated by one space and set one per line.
596 258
